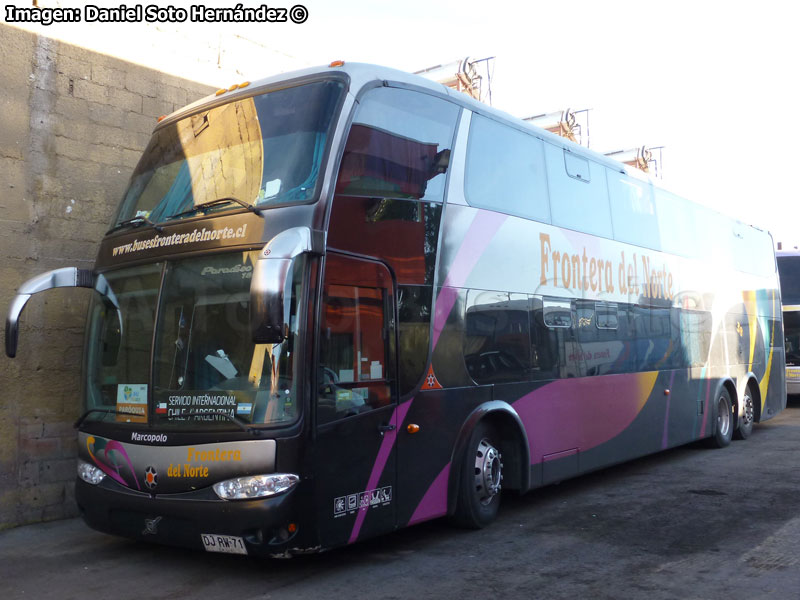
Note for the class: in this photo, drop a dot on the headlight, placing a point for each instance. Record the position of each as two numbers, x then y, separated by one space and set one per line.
255 486
90 473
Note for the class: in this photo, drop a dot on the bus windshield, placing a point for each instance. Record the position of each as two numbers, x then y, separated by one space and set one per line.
205 370
262 150
789 271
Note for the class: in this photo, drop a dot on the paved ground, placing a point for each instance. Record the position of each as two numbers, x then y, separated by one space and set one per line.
688 523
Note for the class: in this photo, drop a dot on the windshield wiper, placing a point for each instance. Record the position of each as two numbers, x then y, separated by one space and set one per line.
136 222
206 206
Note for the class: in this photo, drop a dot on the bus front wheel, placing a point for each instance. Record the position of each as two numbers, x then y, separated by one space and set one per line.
481 480
723 412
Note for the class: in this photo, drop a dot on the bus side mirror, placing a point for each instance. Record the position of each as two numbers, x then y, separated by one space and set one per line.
271 285
64 277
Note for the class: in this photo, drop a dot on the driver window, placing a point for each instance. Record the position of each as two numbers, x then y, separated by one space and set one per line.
356 350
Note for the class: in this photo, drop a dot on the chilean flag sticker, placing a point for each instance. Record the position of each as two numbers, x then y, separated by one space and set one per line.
161 409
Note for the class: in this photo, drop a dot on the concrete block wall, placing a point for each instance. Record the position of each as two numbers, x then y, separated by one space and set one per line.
72 126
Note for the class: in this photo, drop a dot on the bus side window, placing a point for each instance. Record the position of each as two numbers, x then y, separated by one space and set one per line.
586 324
557 313
399 146
545 342
414 318
695 336
601 350
497 344
505 170
625 336
607 316
680 230
579 203
633 210
655 347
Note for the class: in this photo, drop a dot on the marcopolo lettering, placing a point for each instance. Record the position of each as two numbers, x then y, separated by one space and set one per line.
149 437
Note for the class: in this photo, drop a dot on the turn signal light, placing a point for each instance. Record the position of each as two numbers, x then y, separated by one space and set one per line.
412 428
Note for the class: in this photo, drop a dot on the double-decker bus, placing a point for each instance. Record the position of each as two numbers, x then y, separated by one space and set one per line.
346 300
789 272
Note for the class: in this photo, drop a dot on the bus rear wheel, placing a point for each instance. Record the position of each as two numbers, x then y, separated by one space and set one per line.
481 480
723 411
745 427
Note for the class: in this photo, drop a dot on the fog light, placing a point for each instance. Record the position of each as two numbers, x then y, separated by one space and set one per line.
90 473
255 486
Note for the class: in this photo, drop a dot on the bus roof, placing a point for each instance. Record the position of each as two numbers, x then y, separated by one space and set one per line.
361 74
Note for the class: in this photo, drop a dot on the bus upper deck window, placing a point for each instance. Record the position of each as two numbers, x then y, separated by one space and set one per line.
399 146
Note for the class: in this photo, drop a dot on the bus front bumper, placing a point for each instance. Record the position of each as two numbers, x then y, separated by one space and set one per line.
266 526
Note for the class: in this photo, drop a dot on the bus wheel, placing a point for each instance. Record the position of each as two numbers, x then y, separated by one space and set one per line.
723 432
481 478
748 416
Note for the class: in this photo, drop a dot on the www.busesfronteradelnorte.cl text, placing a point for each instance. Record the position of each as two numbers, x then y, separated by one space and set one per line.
177 239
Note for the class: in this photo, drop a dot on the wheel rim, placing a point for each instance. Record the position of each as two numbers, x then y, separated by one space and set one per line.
488 472
747 417
723 417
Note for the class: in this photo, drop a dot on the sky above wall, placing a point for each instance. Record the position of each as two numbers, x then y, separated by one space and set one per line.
713 82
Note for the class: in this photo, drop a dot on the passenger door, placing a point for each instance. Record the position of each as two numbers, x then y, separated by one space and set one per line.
356 398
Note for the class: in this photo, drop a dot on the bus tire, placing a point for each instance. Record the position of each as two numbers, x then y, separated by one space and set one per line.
481 478
723 420
745 427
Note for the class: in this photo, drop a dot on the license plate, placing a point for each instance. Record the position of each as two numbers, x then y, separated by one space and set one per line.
227 544
793 374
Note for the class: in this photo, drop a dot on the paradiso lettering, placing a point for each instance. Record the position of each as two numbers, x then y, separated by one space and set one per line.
193 455
582 272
